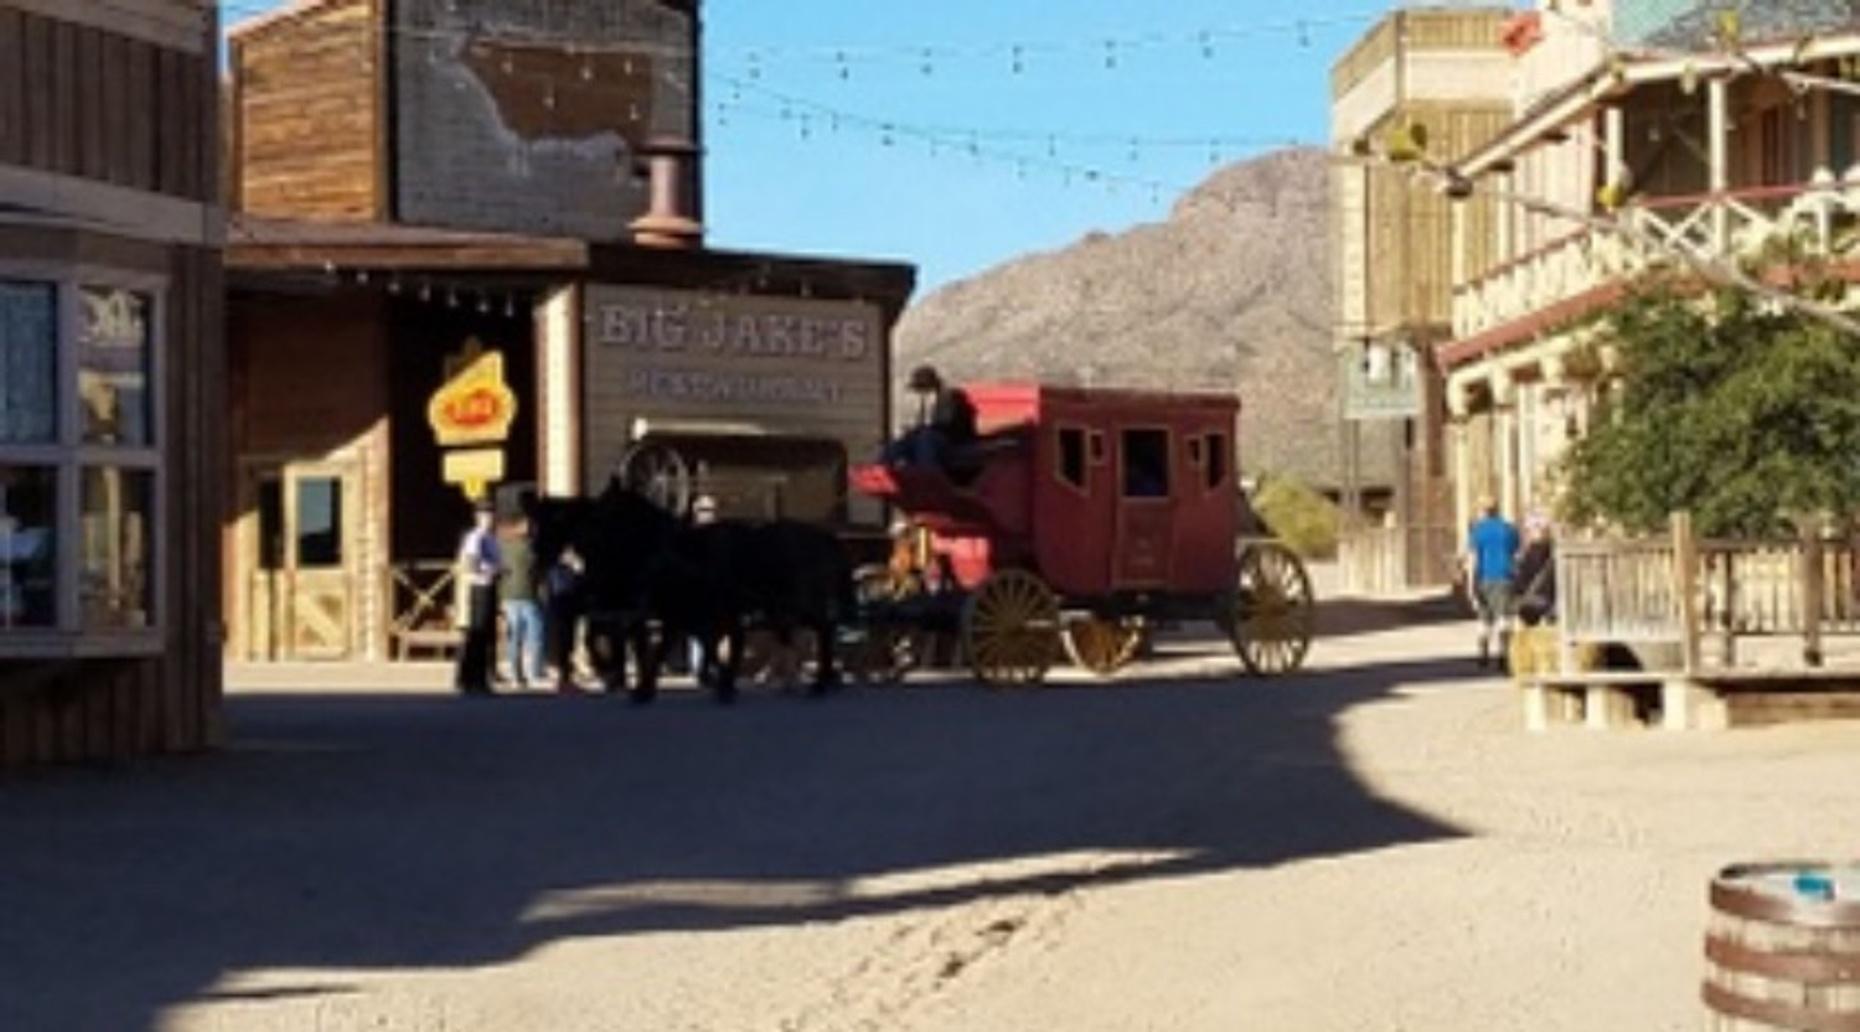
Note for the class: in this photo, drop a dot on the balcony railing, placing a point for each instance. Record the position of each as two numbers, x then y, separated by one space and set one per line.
1819 217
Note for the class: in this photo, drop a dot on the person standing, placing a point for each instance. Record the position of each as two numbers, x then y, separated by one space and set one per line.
1536 578
516 590
480 561
1492 546
562 624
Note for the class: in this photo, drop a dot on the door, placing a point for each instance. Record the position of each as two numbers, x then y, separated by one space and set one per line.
1146 506
304 570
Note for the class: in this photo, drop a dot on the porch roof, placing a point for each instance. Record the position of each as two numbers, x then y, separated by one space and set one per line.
265 252
1616 80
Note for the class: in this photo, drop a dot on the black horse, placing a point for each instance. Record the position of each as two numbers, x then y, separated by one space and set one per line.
707 583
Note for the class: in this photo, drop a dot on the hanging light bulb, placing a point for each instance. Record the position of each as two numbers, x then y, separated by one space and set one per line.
1020 59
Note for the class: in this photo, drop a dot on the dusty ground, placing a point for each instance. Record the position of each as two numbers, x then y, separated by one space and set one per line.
1371 846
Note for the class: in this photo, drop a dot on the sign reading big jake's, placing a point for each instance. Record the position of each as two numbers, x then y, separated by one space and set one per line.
473 411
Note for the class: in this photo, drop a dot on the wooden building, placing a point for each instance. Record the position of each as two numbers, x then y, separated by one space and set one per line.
1697 154
420 185
111 379
1443 72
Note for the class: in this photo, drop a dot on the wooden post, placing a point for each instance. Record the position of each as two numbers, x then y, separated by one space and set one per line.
1813 590
1685 588
1718 137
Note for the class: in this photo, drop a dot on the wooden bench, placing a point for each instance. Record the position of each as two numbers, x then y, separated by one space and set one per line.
446 641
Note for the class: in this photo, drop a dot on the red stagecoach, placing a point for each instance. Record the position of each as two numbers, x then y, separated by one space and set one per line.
1076 519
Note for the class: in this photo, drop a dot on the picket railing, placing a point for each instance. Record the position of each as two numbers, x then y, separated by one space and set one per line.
1681 591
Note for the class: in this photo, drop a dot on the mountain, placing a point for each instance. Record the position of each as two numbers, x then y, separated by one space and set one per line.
1233 291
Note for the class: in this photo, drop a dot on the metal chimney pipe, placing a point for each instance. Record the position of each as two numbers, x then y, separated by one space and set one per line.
670 220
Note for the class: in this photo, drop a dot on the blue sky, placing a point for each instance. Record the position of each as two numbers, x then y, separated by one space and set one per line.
1177 76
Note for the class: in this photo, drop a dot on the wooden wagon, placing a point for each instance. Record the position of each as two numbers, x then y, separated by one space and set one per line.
1076 521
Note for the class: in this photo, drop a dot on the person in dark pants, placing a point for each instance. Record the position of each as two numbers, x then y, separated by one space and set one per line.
563 596
480 561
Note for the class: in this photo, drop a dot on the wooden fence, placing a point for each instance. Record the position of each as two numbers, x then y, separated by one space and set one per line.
1688 593
1383 561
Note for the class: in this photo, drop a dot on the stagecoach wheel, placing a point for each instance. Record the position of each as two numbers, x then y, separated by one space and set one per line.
1273 613
659 473
1104 646
1008 627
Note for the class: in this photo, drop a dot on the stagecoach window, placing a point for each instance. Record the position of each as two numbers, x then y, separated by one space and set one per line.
1146 463
1217 460
1072 456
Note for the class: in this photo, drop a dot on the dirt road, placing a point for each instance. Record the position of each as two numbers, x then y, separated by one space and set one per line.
1371 846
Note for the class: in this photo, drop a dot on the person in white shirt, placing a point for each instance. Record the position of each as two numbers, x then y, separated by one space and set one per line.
479 563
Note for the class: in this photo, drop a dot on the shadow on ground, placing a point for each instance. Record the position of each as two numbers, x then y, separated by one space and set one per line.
385 832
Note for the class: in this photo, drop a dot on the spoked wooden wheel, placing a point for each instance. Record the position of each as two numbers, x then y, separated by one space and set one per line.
1272 614
1103 646
659 473
1008 627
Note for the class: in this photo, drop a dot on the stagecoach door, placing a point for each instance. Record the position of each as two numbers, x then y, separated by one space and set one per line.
303 583
1146 507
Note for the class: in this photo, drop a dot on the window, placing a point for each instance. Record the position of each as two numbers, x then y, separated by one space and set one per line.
319 523
28 363
1072 456
80 469
28 547
1217 460
116 591
1146 463
113 367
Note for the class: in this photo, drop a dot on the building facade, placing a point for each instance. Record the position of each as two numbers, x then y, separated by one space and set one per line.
112 379
1630 109
493 208
1444 73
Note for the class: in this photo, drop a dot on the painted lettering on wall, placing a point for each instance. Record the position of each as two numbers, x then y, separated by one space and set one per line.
697 386
679 327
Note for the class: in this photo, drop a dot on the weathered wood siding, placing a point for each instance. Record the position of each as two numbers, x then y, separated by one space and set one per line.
1410 224
310 384
106 113
55 711
82 101
310 127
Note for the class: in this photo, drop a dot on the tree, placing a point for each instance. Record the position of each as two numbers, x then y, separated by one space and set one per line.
1744 413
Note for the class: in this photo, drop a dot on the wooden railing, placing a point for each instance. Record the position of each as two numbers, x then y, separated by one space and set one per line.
1818 216
1685 592
422 595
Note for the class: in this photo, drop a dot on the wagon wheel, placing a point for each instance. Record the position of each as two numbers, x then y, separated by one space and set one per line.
659 473
1008 627
1104 646
1272 614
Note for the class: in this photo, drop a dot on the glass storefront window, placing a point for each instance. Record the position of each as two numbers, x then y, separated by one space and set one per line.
116 585
28 362
28 547
113 367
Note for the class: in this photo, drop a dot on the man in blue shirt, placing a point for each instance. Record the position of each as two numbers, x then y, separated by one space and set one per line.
1492 546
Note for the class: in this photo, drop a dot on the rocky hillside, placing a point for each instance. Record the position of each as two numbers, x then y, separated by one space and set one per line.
1232 292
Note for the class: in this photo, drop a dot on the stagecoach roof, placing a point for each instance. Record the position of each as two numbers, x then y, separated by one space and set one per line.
1129 397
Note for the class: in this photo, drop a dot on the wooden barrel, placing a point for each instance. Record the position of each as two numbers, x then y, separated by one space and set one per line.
1783 948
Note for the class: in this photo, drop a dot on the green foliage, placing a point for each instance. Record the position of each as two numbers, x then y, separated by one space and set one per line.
1744 415
1302 518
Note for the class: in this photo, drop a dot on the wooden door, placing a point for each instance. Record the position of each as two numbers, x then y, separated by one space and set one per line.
1146 506
320 568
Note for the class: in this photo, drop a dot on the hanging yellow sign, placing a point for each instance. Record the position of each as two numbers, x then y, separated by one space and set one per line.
475 406
474 469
